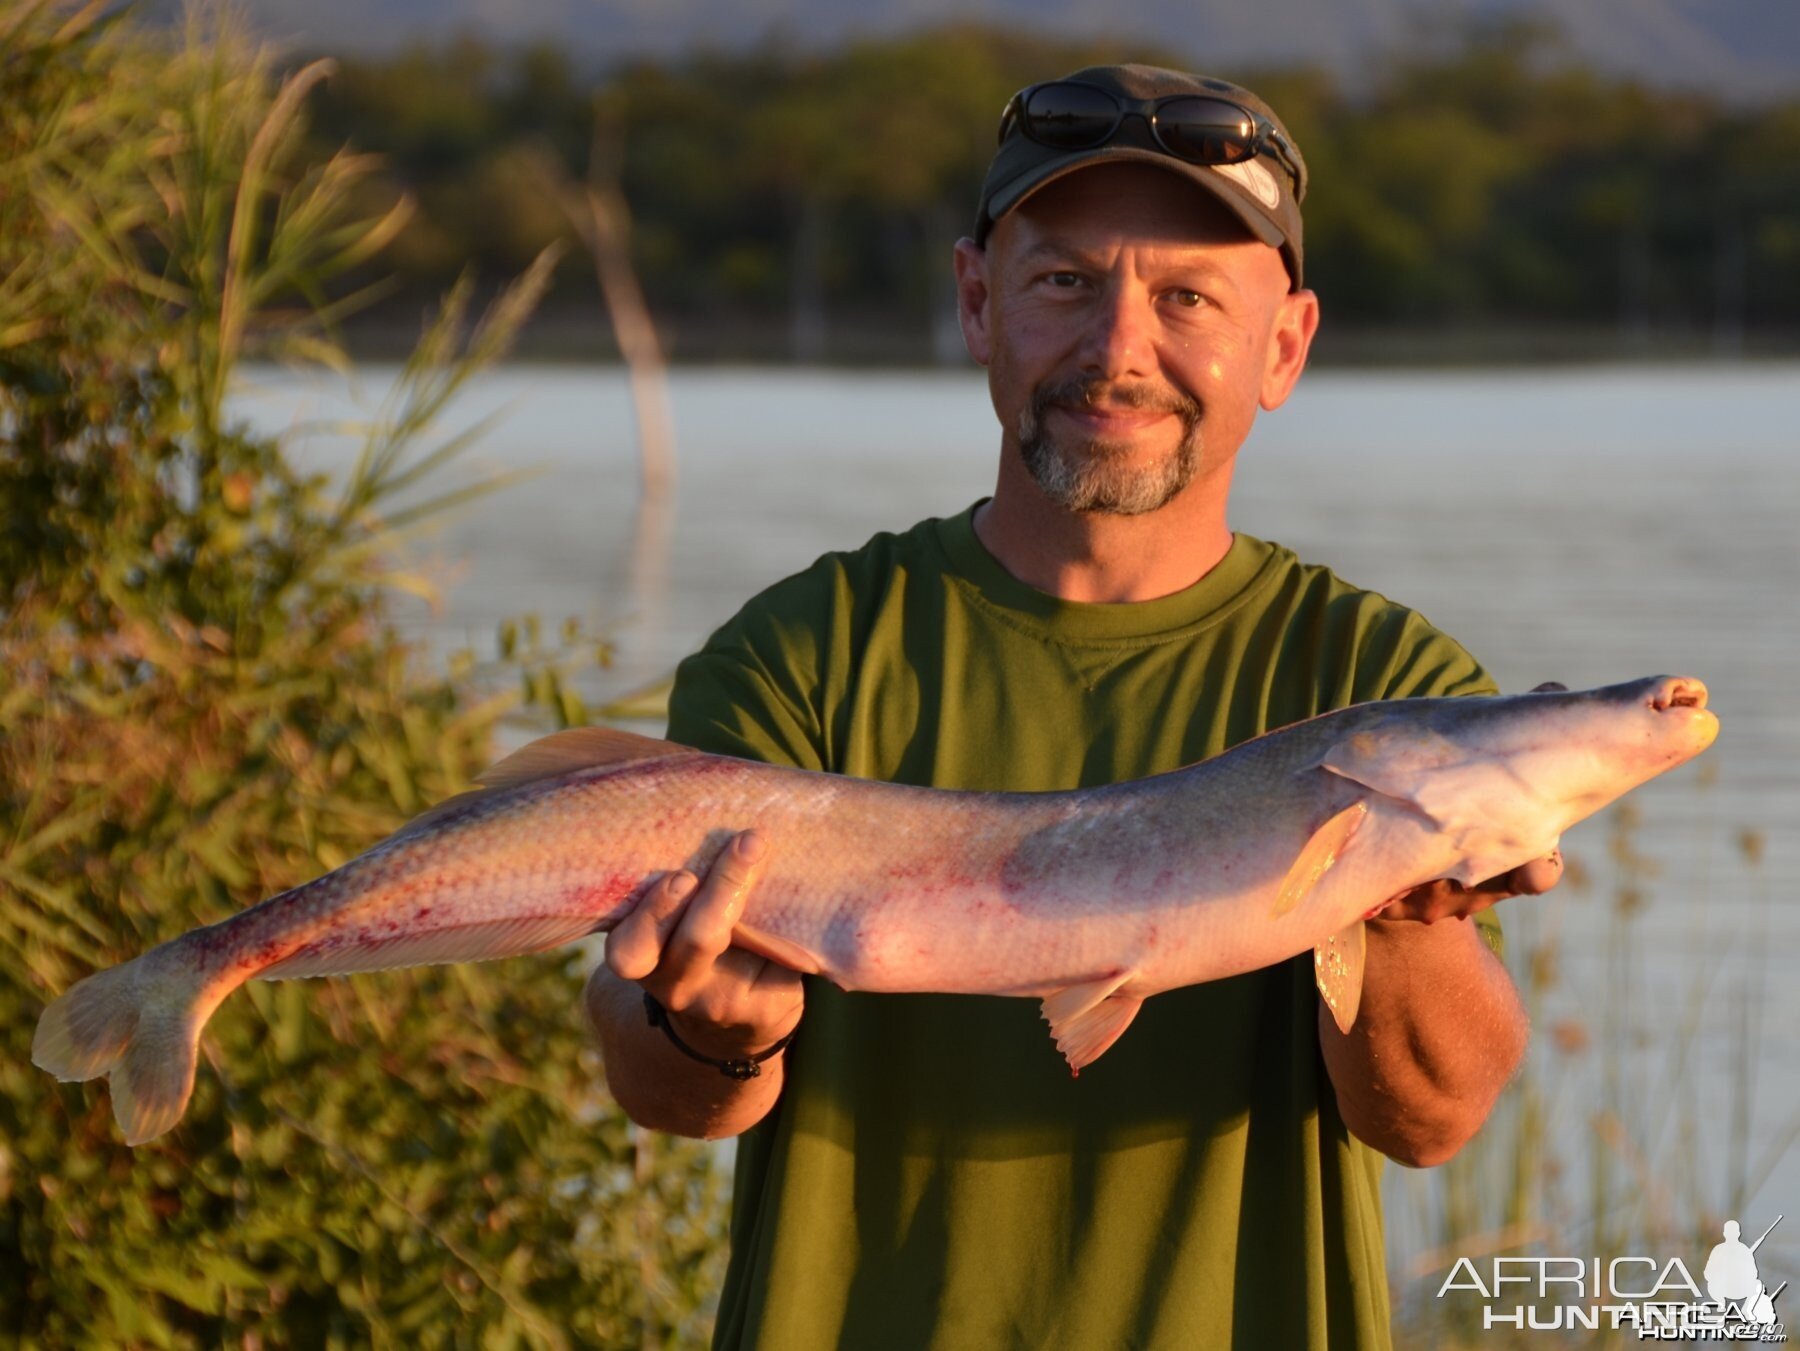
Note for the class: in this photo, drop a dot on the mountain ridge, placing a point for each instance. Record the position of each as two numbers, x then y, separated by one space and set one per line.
1741 50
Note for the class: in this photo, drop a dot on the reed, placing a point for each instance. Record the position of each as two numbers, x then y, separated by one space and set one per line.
203 701
1611 1141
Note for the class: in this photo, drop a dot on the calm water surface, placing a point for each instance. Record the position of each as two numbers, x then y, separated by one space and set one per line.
1587 526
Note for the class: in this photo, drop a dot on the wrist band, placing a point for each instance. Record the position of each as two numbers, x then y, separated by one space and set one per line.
745 1067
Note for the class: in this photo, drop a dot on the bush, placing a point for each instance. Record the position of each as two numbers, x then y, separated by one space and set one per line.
202 702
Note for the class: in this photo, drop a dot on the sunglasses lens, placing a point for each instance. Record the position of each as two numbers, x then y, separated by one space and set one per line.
1070 116
1207 131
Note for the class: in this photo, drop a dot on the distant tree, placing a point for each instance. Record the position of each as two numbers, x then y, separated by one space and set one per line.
203 702
1484 176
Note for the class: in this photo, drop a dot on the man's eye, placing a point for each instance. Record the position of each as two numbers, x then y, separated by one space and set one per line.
1064 280
1192 300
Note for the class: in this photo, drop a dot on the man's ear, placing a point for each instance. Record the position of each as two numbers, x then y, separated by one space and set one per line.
1296 321
972 299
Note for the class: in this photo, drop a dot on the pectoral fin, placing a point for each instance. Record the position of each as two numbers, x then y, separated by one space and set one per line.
1338 971
1491 817
1324 849
1085 1019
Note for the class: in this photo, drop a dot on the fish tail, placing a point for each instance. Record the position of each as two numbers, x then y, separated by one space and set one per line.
138 1024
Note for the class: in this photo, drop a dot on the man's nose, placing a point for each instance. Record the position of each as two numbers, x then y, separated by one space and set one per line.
1119 335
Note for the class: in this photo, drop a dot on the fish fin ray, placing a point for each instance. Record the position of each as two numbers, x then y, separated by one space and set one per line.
1324 849
1087 1018
1338 972
139 1025
85 1032
577 748
453 943
1074 1000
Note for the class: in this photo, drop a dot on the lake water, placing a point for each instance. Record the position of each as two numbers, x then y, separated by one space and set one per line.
1585 525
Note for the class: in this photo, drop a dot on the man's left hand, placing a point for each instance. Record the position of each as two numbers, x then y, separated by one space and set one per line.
1445 899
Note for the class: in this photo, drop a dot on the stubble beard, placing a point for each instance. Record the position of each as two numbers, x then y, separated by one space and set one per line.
1093 475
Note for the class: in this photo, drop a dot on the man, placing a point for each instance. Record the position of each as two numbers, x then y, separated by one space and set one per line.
918 1171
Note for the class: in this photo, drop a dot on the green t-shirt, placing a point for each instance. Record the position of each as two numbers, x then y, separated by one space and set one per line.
932 1177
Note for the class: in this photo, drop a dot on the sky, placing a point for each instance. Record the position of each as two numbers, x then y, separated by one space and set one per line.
1747 50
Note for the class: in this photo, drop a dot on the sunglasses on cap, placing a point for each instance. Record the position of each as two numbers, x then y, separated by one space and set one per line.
1198 128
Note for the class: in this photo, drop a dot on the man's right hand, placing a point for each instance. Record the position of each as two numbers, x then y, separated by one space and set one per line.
723 1001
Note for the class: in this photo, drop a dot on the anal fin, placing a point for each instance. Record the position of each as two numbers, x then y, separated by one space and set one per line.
1326 846
1338 972
1086 1019
339 954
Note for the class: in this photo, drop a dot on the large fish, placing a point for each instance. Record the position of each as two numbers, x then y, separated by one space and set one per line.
1090 900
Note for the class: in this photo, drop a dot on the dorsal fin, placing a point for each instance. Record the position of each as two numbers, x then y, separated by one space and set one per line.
577 748
559 753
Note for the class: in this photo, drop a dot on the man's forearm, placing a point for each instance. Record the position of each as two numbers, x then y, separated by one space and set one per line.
660 1088
1439 1033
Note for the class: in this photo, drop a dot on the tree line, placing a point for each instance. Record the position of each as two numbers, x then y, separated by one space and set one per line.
804 205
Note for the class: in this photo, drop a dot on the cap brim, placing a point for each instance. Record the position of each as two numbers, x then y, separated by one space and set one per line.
1245 208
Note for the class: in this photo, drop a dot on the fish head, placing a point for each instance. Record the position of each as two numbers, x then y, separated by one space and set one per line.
1501 778
1581 749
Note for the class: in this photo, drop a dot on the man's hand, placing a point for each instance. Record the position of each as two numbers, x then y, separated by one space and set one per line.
723 1001
1444 899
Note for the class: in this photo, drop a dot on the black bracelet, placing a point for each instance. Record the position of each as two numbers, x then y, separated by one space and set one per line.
746 1067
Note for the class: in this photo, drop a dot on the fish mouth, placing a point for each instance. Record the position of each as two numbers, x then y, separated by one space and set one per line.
1666 715
1681 701
1669 692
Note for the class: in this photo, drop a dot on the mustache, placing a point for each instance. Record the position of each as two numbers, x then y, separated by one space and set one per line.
1092 392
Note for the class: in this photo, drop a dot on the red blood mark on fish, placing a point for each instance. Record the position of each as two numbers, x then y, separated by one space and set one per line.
875 882
604 897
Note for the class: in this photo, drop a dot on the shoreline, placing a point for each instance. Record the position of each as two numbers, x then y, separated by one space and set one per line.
572 335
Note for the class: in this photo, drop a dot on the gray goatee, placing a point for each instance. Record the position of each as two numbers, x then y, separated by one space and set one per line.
1093 475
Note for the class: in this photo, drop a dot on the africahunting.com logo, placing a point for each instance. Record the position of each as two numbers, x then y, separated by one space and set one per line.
1659 1299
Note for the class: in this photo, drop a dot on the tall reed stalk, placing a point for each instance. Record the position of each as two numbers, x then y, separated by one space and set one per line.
1613 1098
202 702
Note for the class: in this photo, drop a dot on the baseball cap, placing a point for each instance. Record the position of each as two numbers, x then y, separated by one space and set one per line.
1263 192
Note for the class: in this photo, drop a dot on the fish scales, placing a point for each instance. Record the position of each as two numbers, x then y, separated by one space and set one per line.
1090 900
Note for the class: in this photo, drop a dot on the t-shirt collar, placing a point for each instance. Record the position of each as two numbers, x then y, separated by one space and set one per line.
1208 600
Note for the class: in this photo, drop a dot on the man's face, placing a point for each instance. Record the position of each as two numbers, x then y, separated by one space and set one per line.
1130 327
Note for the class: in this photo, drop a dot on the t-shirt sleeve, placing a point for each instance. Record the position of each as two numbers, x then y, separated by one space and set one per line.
747 691
1407 658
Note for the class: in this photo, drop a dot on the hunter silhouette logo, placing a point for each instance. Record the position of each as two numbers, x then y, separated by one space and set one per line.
1657 1298
1731 1277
